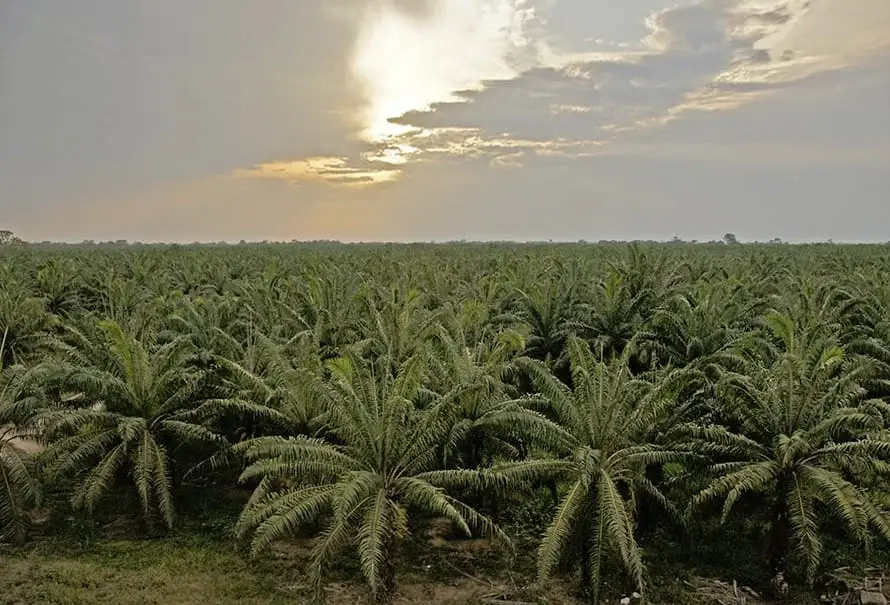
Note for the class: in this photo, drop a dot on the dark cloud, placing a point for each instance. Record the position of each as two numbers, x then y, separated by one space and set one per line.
699 56
588 100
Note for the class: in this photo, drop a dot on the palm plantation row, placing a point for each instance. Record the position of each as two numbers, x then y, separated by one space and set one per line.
358 391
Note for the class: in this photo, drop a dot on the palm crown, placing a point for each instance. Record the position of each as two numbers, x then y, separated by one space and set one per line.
805 437
380 462
130 400
19 488
604 435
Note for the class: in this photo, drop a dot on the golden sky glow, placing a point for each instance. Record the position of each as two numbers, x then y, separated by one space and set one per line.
327 169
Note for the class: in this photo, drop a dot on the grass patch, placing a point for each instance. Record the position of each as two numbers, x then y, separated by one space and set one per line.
172 571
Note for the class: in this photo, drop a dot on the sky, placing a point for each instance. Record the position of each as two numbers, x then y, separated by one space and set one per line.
420 120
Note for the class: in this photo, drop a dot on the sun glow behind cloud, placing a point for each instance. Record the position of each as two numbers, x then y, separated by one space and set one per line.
485 79
406 62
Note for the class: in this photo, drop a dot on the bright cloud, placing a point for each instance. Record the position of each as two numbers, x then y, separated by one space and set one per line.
407 61
326 169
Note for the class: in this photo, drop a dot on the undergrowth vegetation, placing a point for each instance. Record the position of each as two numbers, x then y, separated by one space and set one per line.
613 416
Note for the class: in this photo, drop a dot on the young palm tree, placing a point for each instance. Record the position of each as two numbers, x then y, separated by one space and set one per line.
324 311
487 419
19 488
607 420
135 406
612 319
24 323
397 325
380 462
549 310
278 389
208 322
697 328
806 438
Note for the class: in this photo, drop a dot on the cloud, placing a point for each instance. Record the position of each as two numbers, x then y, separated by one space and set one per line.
705 56
465 93
406 59
808 162
320 169
543 118
849 28
411 55
688 48
115 97
475 79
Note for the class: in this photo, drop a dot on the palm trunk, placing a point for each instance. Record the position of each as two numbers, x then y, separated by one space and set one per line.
554 492
778 533
648 512
388 575
778 546
586 579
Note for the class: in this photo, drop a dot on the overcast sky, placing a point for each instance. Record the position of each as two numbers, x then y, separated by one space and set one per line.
184 120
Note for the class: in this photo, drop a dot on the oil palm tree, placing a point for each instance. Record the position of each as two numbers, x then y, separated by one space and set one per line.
397 324
612 319
24 323
380 461
549 311
278 389
697 328
697 332
19 487
488 419
608 418
135 404
324 311
208 322
806 438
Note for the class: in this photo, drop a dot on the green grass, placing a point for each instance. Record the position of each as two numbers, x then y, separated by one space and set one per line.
167 572
195 569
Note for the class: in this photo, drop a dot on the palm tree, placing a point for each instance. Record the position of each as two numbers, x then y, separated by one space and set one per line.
57 285
324 311
874 344
135 406
612 319
19 488
697 332
806 438
397 325
278 389
208 322
607 419
488 421
381 460
114 296
697 328
24 323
